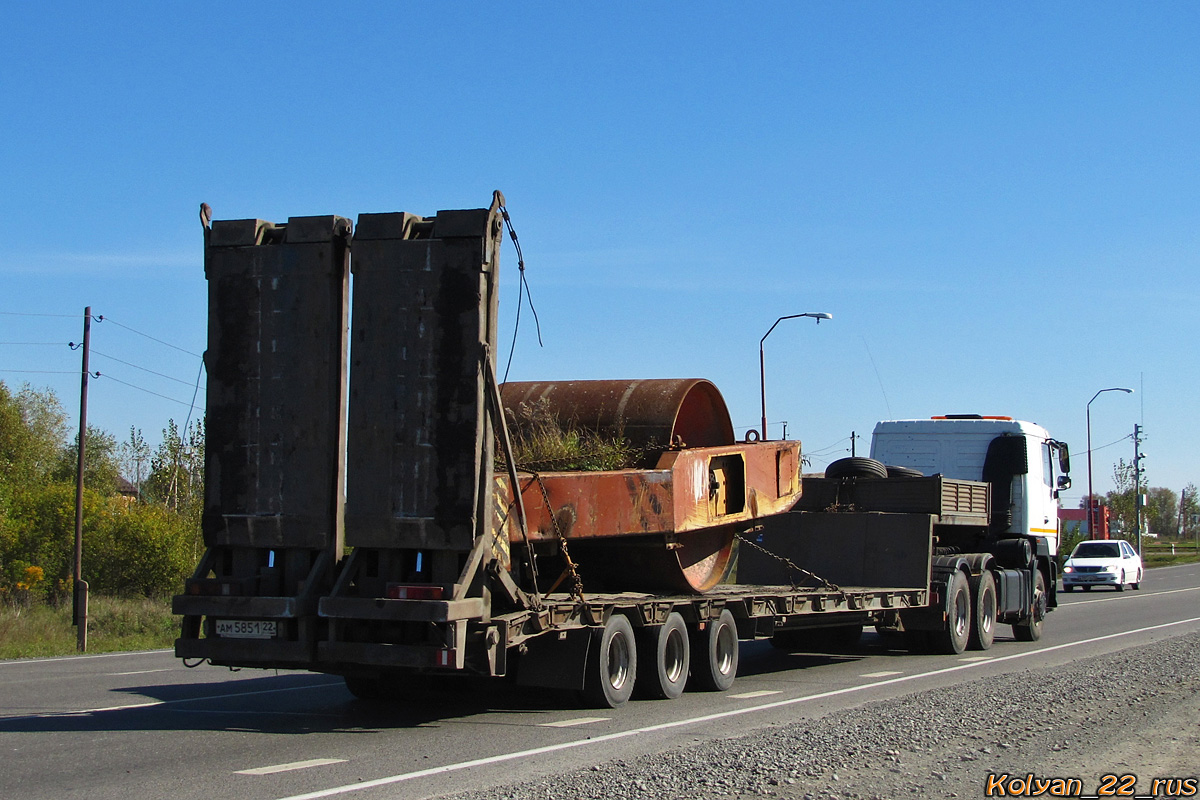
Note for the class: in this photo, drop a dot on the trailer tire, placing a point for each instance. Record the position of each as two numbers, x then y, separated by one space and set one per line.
952 638
715 655
856 467
1031 629
664 655
983 611
611 665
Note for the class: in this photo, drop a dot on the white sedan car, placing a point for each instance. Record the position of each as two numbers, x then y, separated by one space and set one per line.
1102 562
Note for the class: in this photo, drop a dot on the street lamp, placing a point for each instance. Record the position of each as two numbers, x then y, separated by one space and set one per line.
762 369
1091 500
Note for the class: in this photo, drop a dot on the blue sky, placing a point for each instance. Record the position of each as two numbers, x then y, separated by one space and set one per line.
996 202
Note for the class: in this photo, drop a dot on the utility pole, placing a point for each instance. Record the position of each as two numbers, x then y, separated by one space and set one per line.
80 605
853 439
1137 482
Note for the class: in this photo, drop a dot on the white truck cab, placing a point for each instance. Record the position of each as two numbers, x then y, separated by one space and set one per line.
1026 467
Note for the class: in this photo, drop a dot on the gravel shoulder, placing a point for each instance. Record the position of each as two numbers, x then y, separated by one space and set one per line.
1132 712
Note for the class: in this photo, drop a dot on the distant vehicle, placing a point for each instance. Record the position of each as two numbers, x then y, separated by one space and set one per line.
1102 562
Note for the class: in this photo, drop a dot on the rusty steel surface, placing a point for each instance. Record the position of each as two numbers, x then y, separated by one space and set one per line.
649 413
683 514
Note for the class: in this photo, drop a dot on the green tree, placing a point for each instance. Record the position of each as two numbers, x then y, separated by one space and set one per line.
133 456
1189 511
177 470
1122 500
1161 513
33 429
100 466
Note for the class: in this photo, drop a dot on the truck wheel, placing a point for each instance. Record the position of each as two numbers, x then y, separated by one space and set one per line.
611 665
953 636
983 611
715 655
663 659
856 467
1031 629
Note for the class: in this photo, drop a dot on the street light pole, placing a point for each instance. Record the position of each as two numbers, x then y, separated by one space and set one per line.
1091 500
762 364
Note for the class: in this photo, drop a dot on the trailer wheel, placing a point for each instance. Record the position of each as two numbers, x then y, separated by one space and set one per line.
953 636
715 655
664 656
611 665
983 611
1031 629
856 467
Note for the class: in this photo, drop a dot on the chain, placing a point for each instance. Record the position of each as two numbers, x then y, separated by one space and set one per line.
790 564
572 567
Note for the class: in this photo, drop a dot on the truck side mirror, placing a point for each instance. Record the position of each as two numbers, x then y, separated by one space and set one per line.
1064 482
1064 458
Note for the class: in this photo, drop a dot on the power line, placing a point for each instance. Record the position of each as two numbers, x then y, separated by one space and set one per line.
43 371
26 314
143 369
140 389
103 318
55 344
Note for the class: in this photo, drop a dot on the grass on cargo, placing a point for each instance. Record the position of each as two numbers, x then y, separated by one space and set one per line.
114 624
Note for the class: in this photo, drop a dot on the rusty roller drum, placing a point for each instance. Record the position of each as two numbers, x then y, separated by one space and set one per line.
651 414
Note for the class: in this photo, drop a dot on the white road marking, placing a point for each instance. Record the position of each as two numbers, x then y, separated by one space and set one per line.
748 695
152 704
679 723
312 762
21 661
570 723
1123 596
886 673
978 658
136 672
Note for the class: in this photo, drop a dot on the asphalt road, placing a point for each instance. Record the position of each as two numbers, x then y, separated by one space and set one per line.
105 726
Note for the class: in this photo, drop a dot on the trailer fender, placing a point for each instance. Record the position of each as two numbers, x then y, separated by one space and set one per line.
555 661
933 617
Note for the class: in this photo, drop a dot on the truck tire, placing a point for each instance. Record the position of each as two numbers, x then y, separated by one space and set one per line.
856 467
983 611
894 471
664 656
1031 629
611 665
715 655
954 634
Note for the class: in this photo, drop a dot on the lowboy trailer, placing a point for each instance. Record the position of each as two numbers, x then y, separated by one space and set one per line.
367 515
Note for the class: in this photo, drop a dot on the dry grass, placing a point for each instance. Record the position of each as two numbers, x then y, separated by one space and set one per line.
114 624
541 441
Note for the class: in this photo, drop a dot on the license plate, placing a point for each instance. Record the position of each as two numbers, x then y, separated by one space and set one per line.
246 628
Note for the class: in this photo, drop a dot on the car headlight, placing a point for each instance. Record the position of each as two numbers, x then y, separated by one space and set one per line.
1067 569
1111 568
